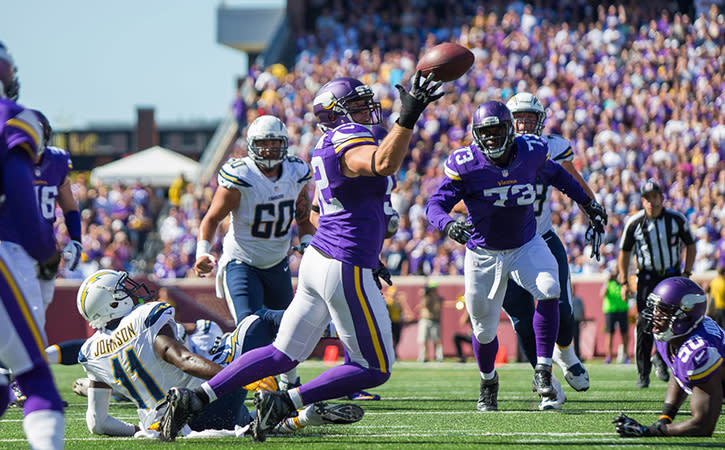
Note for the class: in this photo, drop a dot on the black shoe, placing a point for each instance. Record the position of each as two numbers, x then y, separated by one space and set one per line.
272 408
181 405
643 382
542 382
660 369
488 399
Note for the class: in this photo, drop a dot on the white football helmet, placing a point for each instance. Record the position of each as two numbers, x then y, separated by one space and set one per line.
527 102
107 295
267 127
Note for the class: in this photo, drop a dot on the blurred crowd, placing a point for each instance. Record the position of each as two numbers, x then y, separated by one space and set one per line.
637 88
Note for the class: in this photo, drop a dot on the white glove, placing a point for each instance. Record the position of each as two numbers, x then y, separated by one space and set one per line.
72 254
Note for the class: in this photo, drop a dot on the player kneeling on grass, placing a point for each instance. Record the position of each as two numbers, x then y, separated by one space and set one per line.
135 351
693 347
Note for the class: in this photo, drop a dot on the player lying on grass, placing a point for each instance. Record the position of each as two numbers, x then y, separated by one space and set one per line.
693 347
135 351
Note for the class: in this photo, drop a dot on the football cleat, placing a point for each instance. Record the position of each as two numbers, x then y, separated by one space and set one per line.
574 372
488 398
577 377
362 395
542 381
660 369
20 398
181 405
272 408
643 382
556 403
80 386
323 413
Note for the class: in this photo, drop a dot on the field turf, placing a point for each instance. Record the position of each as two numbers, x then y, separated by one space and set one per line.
426 406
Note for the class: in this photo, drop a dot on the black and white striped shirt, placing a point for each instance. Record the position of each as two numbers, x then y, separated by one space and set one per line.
657 242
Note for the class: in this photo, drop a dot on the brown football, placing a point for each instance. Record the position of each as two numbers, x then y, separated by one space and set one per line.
447 61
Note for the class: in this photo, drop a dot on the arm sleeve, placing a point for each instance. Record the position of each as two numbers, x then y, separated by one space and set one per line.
441 202
97 418
558 177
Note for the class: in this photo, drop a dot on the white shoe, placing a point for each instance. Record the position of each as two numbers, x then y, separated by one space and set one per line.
557 403
575 374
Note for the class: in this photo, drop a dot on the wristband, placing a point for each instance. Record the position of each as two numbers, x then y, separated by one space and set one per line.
669 411
73 224
203 248
687 273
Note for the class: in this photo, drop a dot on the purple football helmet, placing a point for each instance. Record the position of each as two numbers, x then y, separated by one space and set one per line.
47 129
9 86
493 129
342 98
675 308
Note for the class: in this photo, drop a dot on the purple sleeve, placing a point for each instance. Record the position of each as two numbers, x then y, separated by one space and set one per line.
555 175
442 202
18 183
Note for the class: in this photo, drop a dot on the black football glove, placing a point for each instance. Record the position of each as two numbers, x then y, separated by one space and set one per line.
48 268
628 427
413 102
459 230
382 272
597 219
596 213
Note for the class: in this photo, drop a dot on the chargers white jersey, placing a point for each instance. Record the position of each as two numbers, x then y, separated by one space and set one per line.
204 338
259 234
125 359
559 150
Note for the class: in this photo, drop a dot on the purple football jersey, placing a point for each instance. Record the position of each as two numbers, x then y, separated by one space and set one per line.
699 357
499 199
21 130
353 211
49 175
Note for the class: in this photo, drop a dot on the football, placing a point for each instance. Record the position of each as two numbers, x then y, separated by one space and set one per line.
447 61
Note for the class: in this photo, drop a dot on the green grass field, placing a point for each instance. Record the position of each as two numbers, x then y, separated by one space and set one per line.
430 406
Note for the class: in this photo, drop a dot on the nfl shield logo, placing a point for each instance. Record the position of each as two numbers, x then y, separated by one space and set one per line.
505 173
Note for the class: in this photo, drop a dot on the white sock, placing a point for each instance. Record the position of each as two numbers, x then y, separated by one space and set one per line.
294 394
488 376
567 356
289 377
542 360
44 429
209 391
53 353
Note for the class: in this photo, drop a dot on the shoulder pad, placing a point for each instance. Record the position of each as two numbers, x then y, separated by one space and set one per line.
232 173
559 148
301 169
460 161
351 135
24 131
157 312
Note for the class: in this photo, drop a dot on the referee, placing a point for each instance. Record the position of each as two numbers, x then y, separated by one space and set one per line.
657 235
